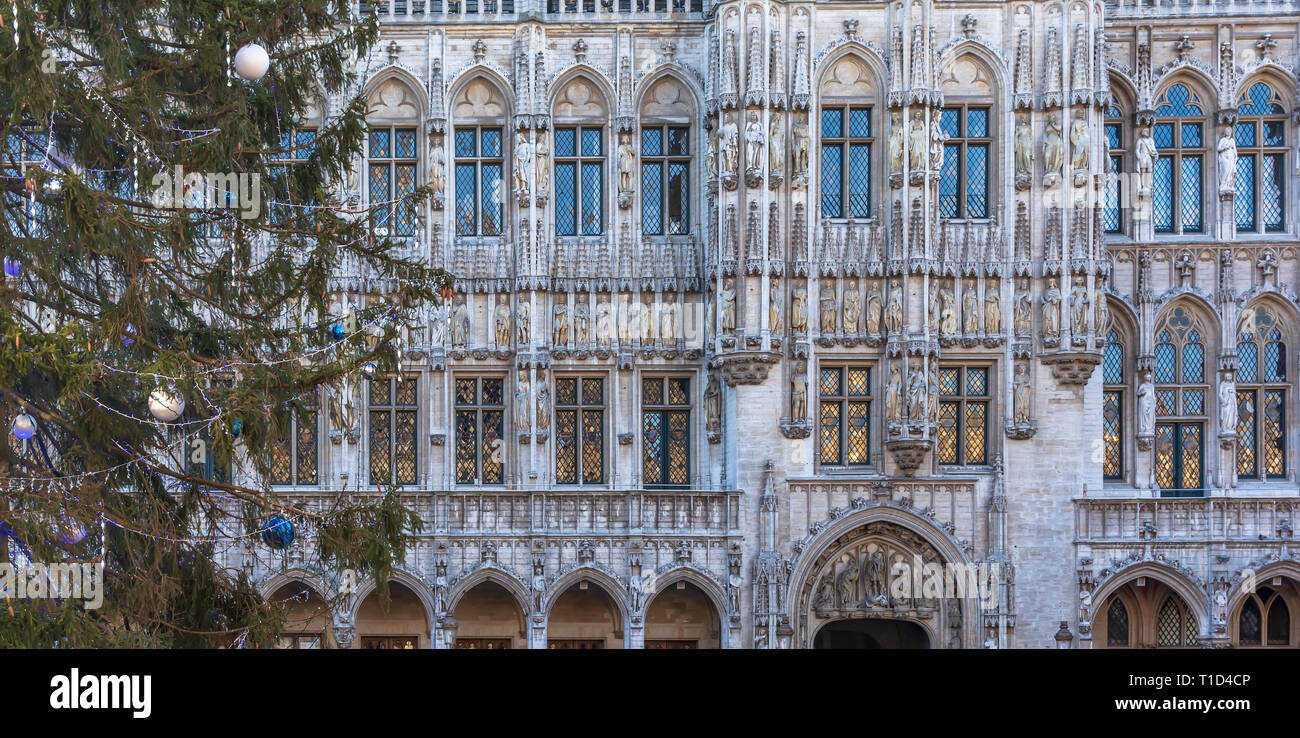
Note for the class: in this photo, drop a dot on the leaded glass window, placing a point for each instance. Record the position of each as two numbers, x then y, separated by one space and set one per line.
665 431
1112 408
1261 396
393 407
580 430
26 148
479 163
963 415
1182 396
296 147
1113 208
964 176
1179 135
480 429
579 181
1117 624
393 154
665 180
846 140
295 457
1175 624
844 411
1264 619
1261 160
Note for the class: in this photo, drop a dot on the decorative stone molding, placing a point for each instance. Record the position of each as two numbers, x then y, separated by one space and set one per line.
796 428
909 453
1072 367
1021 431
748 367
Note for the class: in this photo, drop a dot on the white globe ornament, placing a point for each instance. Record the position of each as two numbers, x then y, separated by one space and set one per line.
251 62
24 426
166 404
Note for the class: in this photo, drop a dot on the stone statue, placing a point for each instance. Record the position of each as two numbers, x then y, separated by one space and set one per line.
1144 150
1052 309
542 154
894 311
1101 320
1053 145
1024 146
668 322
847 583
460 325
774 308
521 322
992 310
877 594
894 394
438 326
947 312
1227 161
648 322
1079 306
626 163
711 156
581 323
631 314
970 311
1079 142
1146 401
1023 318
852 307
560 324
916 142
799 392
799 310
437 167
776 146
502 324
1227 404
728 300
895 143
916 389
729 140
934 394
1022 395
754 143
522 406
604 323
873 307
523 162
828 307
799 134
937 139
713 404
543 406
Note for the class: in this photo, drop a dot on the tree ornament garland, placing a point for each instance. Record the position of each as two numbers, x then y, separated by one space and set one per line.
252 62
166 404
278 532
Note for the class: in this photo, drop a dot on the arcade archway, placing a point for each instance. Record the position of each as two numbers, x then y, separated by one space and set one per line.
869 633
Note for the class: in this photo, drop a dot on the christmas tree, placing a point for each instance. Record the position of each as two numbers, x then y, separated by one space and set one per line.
170 312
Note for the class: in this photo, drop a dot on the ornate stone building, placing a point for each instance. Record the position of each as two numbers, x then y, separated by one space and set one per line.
759 301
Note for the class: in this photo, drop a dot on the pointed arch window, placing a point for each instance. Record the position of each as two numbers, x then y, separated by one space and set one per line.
1264 620
1117 625
1181 392
1177 186
846 139
393 153
1175 624
964 178
1260 132
480 161
1261 396
1112 210
1112 408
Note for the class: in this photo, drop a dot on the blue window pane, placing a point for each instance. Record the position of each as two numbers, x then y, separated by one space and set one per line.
977 123
1271 194
491 144
679 198
860 123
492 200
1260 100
1113 363
1245 133
1274 133
948 181
1165 363
466 216
1275 361
1113 135
379 144
652 198
1178 101
593 223
950 123
403 186
1191 135
1110 212
1244 203
652 142
1247 359
566 203
566 142
380 186
833 123
1191 193
977 172
860 180
1163 194
1193 362
1163 134
679 142
832 171
591 142
464 142
404 144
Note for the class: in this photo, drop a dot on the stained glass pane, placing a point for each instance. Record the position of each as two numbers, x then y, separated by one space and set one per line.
977 382
404 208
859 427
679 197
1166 402
1249 624
591 141
652 142
1190 439
1165 363
380 187
830 382
949 122
1274 441
1274 133
1165 456
830 433
566 142
1191 135
381 452
1193 360
1246 433
1169 624
566 188
493 221
566 446
860 123
1279 623
281 454
493 391
1247 359
1274 361
1113 361
404 143
493 446
1117 624
1259 100
946 441
1245 133
948 381
593 223
379 144
975 432
1113 135
381 392
1162 194
652 198
1112 420
833 123
593 391
491 143
566 391
678 448
859 382
404 443
1193 402
679 391
977 123
1271 200
679 139
652 441
1190 175
593 446
1163 134
1244 202
949 178
464 142
465 392
306 450
832 173
1114 193
859 175
652 391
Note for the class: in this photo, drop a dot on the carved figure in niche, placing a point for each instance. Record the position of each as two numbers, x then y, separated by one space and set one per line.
1146 401
947 311
1079 306
799 309
713 404
1053 145
543 406
1227 160
1052 309
970 310
728 300
1144 150
934 394
847 582
1021 395
631 316
729 140
799 391
437 168
521 322
711 156
774 308
872 309
522 405
523 162
648 322
992 309
1023 317
626 163
1079 142
916 142
828 307
1024 146
542 153
460 325
916 389
1227 404
894 312
895 143
604 322
799 134
894 394
581 323
877 593
502 324
937 139
1101 319
852 307
776 146
668 321
754 142
560 324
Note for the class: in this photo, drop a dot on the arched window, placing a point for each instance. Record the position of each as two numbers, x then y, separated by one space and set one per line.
580 117
847 137
967 121
1179 135
1112 408
393 155
1175 624
666 115
1261 160
1261 396
1117 624
1112 210
1181 390
1265 620
479 142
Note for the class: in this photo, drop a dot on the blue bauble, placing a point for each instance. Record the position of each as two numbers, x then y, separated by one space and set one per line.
126 337
12 267
278 532
237 428
23 427
369 368
337 331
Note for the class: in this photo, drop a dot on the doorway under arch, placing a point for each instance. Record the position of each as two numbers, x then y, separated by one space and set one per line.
489 617
584 617
872 633
682 617
405 624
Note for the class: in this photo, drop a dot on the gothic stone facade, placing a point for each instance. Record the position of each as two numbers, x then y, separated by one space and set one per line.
757 299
